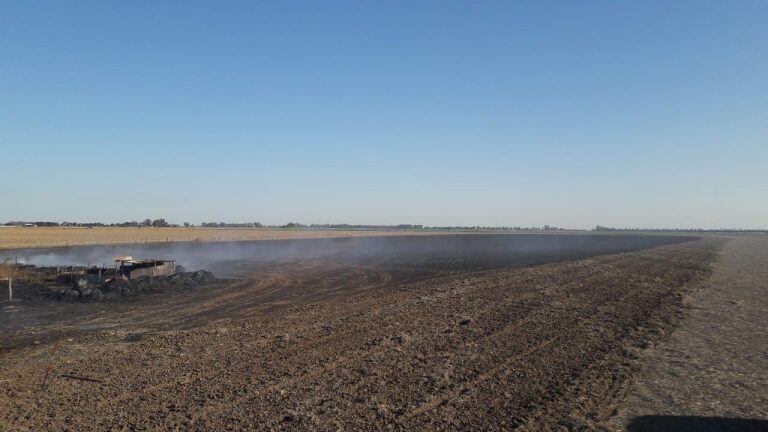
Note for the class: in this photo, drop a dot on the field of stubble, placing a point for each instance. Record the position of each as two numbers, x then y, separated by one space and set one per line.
43 237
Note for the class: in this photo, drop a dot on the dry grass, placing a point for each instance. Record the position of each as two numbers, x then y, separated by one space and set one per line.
6 270
18 237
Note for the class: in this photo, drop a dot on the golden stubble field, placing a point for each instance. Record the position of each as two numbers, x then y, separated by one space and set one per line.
37 237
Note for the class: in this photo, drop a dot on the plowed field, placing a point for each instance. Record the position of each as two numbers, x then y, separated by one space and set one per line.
431 333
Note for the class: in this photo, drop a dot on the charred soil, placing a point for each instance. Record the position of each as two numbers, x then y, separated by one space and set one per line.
325 346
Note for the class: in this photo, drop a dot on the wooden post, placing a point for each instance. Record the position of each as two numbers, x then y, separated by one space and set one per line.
10 289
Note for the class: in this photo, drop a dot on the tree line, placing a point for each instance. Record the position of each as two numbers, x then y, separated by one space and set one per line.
718 230
145 223
163 223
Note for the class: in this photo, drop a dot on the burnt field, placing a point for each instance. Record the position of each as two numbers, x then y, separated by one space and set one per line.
456 332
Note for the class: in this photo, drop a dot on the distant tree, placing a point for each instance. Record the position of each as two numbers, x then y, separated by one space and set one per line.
231 225
159 223
46 224
186 224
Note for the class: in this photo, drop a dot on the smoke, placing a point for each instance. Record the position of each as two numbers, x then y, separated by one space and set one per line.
460 251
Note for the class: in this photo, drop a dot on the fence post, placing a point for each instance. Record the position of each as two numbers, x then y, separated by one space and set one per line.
10 289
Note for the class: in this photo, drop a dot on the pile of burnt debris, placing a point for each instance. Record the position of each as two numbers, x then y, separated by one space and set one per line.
129 279
121 289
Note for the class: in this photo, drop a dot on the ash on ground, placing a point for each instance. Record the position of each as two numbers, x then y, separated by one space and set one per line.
123 289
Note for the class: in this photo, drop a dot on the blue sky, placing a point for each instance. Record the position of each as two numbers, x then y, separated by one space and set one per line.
492 113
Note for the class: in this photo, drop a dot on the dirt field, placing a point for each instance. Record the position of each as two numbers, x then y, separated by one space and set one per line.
711 374
41 237
536 338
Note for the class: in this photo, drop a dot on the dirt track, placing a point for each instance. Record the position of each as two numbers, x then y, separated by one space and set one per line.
711 374
361 347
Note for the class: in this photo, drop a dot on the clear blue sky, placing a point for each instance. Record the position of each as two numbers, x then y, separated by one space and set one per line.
649 113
